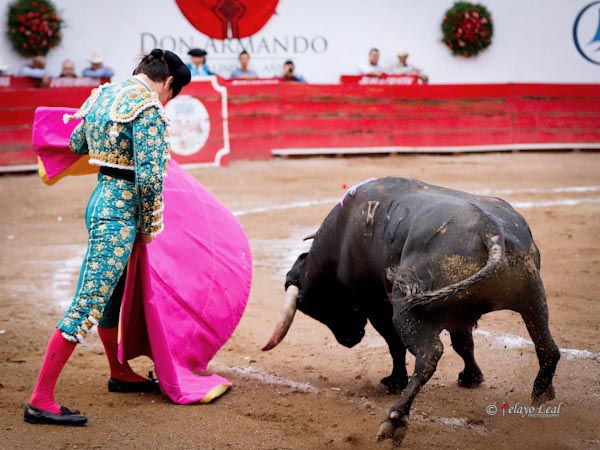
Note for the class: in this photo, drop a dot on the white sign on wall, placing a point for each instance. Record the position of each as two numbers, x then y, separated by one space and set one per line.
586 32
534 40
189 125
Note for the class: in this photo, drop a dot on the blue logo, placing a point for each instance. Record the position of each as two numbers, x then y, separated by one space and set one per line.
586 32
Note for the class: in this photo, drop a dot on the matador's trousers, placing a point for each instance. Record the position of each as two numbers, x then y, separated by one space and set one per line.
111 218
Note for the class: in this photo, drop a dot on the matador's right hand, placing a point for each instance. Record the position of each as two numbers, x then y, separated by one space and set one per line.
146 238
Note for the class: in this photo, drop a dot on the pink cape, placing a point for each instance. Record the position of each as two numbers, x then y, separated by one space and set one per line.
187 290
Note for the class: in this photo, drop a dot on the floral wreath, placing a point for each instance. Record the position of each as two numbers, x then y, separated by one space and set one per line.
467 28
33 26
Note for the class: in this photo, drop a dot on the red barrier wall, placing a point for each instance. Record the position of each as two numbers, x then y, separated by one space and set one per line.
352 116
263 117
16 118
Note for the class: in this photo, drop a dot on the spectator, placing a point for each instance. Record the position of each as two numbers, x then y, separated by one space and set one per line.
97 68
289 74
68 69
36 69
243 71
198 65
402 67
372 68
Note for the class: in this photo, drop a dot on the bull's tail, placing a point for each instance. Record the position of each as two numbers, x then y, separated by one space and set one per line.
494 242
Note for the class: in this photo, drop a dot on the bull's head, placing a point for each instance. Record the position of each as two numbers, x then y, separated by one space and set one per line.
327 304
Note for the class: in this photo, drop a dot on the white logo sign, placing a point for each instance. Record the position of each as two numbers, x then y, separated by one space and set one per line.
586 32
190 125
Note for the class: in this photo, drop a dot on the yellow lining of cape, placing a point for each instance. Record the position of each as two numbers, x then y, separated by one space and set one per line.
215 392
80 167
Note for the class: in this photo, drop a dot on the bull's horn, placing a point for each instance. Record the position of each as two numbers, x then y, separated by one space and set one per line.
285 317
310 236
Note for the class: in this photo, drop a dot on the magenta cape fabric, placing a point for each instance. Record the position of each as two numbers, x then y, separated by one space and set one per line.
51 136
187 290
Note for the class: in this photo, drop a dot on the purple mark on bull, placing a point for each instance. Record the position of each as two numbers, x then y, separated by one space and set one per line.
352 190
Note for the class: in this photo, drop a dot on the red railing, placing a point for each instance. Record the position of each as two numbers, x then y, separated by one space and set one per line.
279 115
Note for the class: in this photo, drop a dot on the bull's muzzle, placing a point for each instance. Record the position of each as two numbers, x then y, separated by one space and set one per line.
286 316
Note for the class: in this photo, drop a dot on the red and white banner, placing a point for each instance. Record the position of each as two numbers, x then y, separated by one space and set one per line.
198 130
386 80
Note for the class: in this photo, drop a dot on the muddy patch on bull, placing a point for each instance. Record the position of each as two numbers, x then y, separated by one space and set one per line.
457 268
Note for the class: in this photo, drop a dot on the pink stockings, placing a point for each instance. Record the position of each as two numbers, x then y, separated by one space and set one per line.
121 372
57 354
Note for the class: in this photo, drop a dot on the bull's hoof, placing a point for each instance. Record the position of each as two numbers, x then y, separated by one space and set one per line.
470 379
393 385
394 430
540 397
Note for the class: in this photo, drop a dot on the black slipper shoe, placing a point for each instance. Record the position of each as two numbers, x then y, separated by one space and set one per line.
115 385
65 417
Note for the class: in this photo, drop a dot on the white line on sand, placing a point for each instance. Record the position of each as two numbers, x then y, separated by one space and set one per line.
285 206
556 190
267 378
264 377
531 204
62 279
505 340
513 341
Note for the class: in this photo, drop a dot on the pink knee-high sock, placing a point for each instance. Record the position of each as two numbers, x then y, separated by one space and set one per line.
57 354
122 372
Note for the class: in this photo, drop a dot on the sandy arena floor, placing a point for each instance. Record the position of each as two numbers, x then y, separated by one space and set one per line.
311 393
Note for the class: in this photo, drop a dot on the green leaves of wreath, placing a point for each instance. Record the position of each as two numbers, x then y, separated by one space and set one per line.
467 28
33 26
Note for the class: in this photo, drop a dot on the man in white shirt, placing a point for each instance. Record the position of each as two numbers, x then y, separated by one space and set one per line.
372 67
36 69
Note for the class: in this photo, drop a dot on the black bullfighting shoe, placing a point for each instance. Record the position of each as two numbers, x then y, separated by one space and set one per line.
115 385
65 417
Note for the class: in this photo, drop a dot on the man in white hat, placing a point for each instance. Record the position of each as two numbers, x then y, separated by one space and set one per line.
403 68
97 68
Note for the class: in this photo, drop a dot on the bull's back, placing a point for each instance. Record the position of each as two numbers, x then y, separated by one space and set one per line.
391 220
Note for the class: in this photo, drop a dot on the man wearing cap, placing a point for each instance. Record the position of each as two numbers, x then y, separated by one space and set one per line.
124 131
402 68
97 68
198 65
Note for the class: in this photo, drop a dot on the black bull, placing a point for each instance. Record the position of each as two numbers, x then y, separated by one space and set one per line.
415 259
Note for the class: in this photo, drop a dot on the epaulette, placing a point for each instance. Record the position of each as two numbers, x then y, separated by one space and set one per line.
87 105
131 101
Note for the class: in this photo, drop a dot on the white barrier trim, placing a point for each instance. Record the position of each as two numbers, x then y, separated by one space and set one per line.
225 116
521 205
19 168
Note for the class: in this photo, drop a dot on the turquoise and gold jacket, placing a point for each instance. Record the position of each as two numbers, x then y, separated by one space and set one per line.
124 126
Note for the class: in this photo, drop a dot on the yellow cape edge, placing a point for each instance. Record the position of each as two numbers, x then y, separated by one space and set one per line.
215 392
80 167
